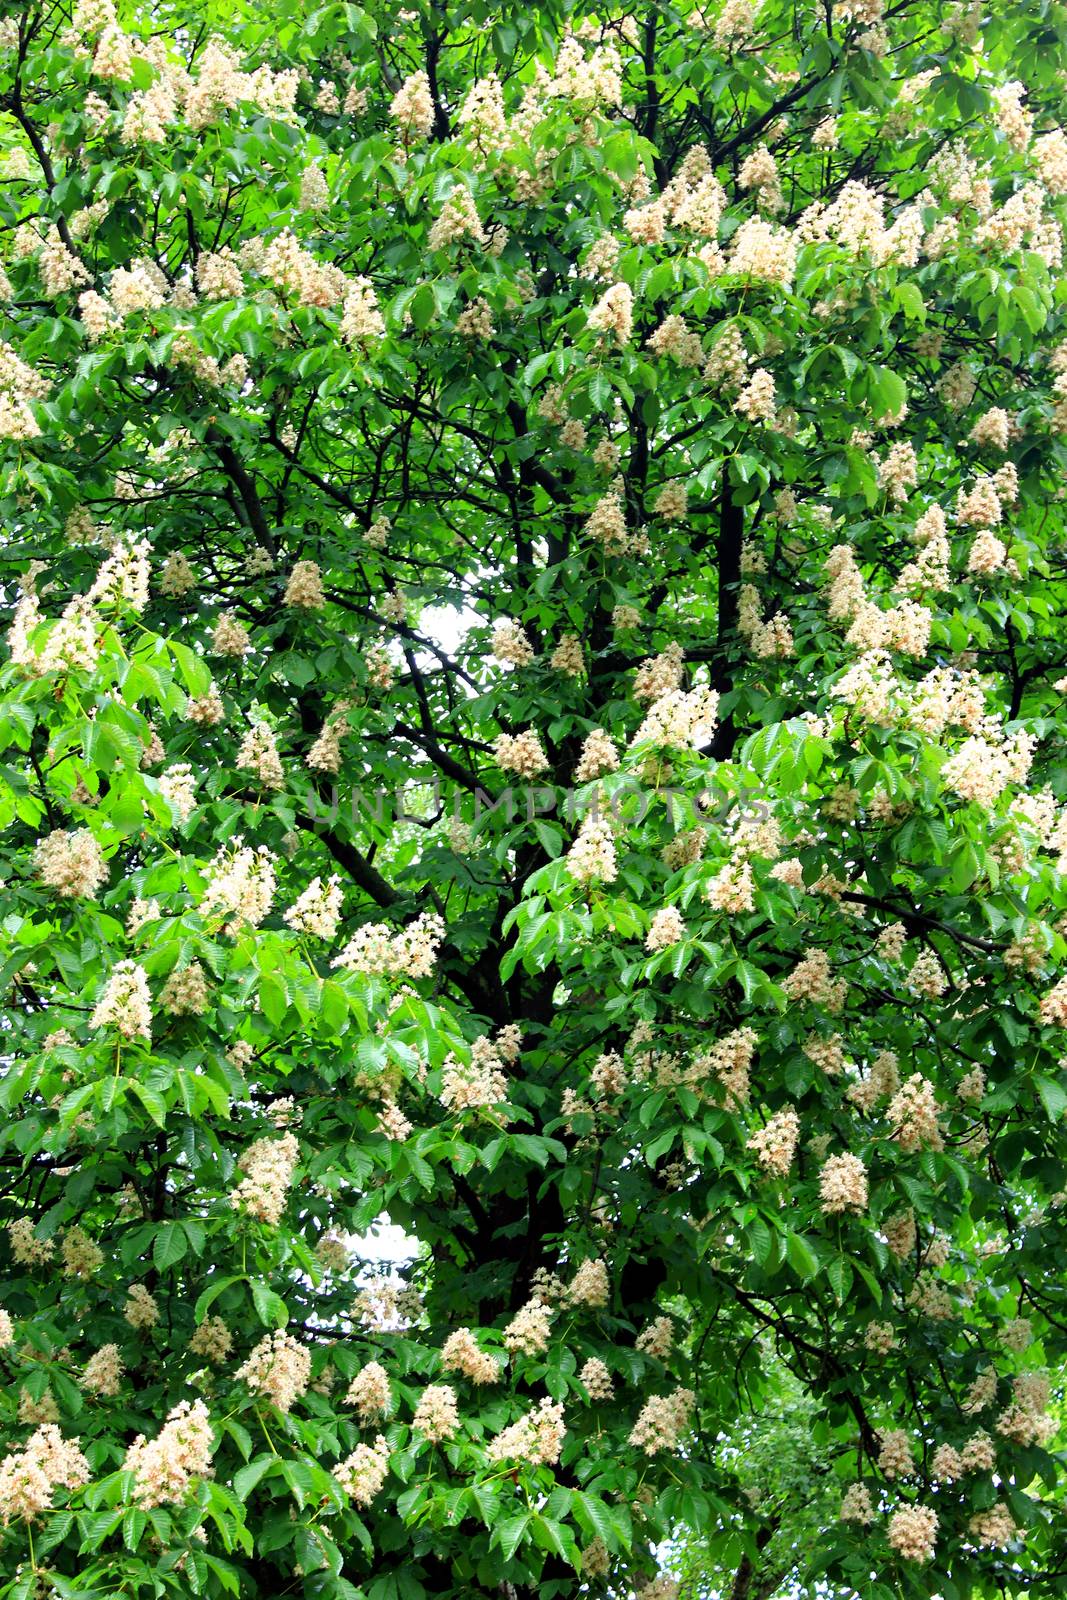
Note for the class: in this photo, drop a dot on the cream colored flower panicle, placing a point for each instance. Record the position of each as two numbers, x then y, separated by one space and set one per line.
900 1233
590 1285
899 472
325 754
483 113
361 320
927 976
166 1467
994 1529
412 107
318 910
478 1082
843 1185
913 1113
141 1310
1052 1011
37 1409
662 1421
598 756
979 1453
295 271
26 1248
596 1379
377 949
529 1330
123 578
676 721
672 502
71 863
659 675
946 1465
212 1340
258 754
520 753
606 525
912 1532
685 849
71 643
230 637
206 710
458 220
775 1144
103 1372
126 1003
666 929
98 318
508 1043
436 1414
314 190
591 858
894 1453
268 1167
812 979
279 1368
1050 160
462 1354
757 400
732 889
1017 1334
879 1337
536 1438
475 321
304 588
369 1392
827 1053
613 314
241 885
136 288
510 644
30 1476
856 1505
646 224
656 1339
728 1062
177 785
568 656
675 339
362 1475
82 1256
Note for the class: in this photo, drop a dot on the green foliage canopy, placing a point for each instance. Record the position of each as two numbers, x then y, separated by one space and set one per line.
534 545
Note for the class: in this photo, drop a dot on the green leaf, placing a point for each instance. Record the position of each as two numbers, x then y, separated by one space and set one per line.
508 1535
760 1240
169 1245
270 1307
423 307
839 1272
602 1521
801 1256
246 1478
133 1526
273 999
1053 1097
151 1099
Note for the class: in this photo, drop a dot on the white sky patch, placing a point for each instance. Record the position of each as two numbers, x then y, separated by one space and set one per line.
385 1243
448 626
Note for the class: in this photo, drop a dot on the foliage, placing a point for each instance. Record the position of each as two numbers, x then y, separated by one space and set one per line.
508 373
780 1467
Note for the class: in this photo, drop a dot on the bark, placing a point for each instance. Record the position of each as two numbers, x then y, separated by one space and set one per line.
728 561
